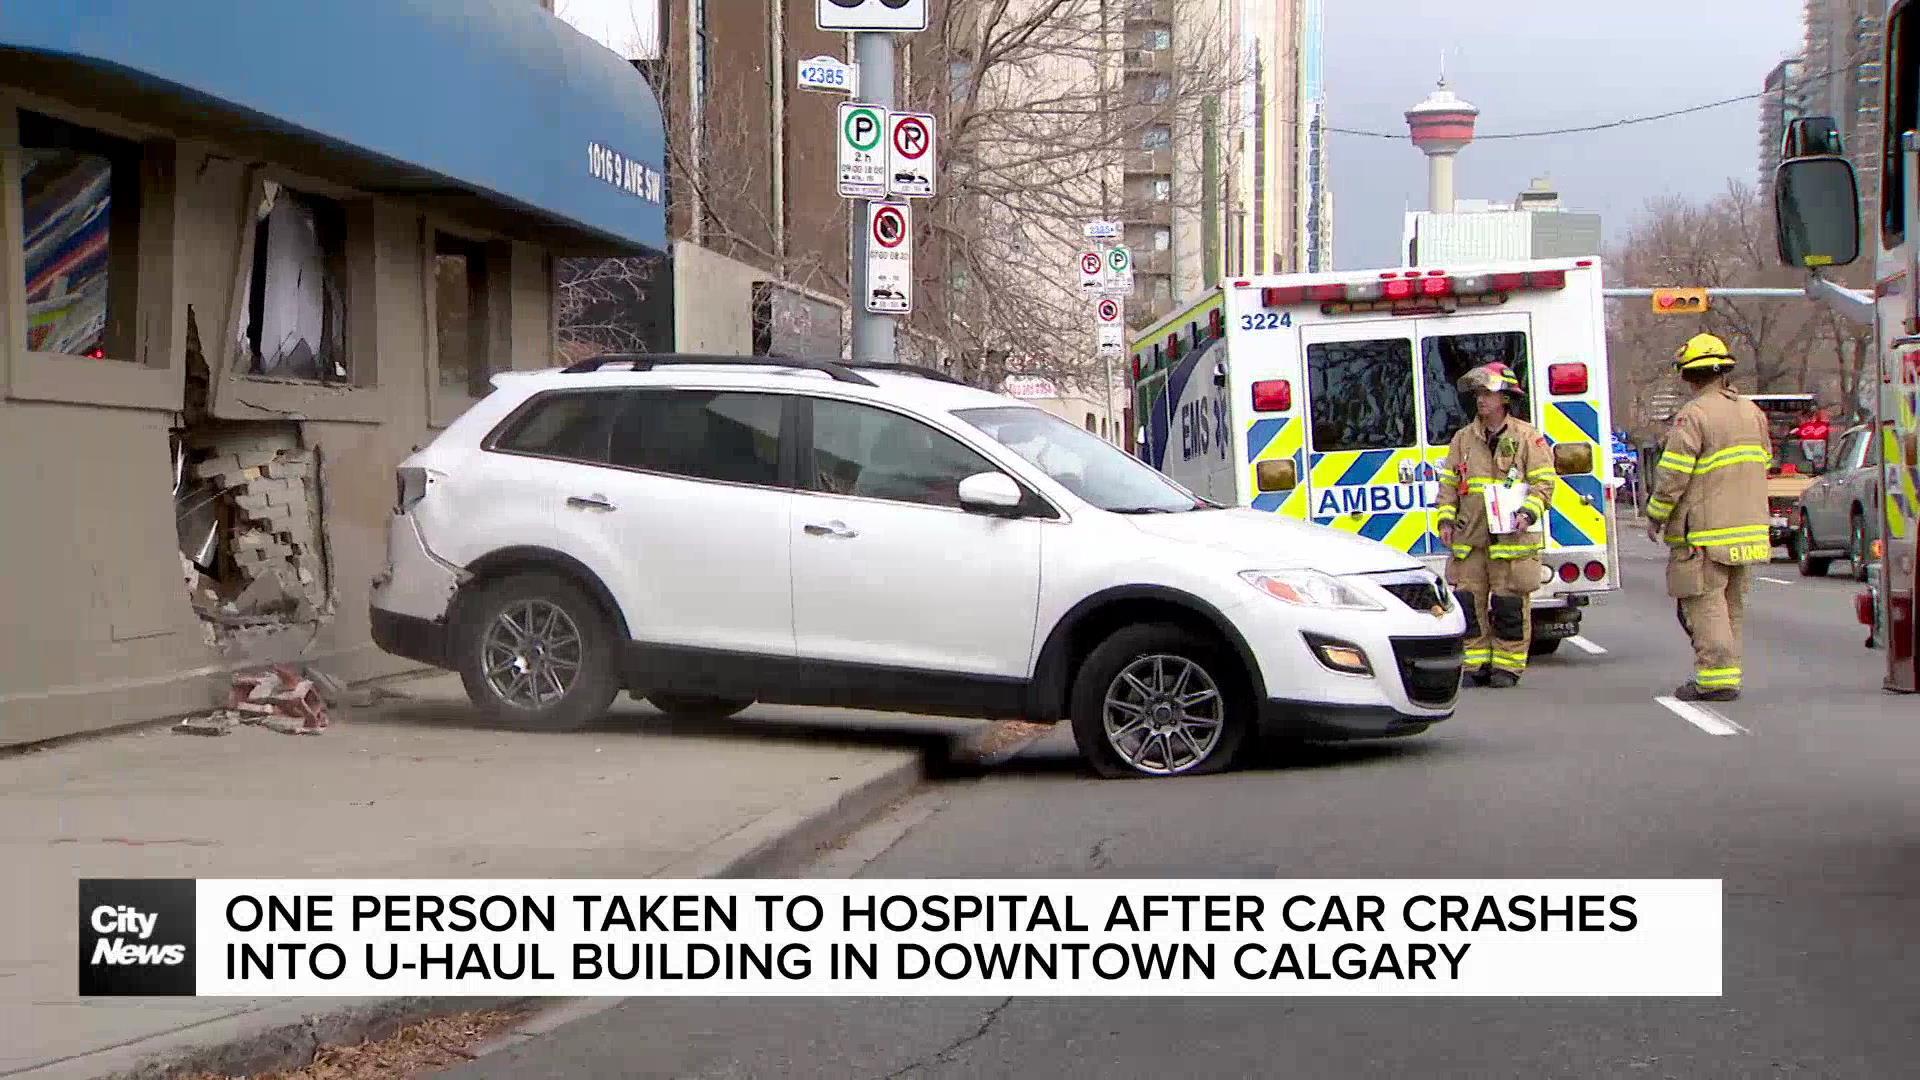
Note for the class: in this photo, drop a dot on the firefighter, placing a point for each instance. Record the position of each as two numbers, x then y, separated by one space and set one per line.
1709 503
1495 575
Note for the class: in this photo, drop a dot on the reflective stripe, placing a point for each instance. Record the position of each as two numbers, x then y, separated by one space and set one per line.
1507 661
1480 656
1449 475
1734 534
1448 512
1542 474
1513 551
1478 483
1537 505
1461 551
1717 678
1659 509
1742 454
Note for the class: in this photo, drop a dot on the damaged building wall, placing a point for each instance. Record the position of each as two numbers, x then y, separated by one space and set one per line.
104 629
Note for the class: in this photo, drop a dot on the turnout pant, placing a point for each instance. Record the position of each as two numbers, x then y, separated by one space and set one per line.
1712 599
1498 597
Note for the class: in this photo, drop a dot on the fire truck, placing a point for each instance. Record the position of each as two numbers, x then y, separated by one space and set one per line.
1823 221
1331 398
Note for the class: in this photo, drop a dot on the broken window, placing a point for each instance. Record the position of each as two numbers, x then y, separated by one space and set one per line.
460 315
80 202
294 324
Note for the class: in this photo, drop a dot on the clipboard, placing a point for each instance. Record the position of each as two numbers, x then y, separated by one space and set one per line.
1504 502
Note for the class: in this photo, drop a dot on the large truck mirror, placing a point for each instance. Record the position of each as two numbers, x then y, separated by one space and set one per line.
1816 209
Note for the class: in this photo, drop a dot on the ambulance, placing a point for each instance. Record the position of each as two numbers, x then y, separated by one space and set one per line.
1330 397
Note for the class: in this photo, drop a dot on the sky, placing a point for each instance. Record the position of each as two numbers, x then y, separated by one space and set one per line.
1533 64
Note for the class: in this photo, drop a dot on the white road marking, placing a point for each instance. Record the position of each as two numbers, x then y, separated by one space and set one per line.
1579 642
1777 580
1707 720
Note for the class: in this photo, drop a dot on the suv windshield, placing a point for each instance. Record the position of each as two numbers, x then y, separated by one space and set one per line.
1082 462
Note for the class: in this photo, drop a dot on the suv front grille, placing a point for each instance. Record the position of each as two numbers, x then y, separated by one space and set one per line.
1421 590
1781 504
1430 668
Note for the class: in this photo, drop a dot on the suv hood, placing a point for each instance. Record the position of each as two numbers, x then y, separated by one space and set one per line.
1270 542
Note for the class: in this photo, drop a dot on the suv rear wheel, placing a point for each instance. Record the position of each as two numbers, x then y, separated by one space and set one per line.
1159 700
535 651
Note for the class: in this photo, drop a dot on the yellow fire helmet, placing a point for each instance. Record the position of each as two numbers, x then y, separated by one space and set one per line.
1703 352
1496 376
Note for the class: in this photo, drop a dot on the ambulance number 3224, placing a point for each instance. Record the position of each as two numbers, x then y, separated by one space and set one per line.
1266 320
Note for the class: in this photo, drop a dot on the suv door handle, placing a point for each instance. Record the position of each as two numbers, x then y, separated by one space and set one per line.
831 528
589 502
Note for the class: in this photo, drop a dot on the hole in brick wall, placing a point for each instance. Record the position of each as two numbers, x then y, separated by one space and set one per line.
247 507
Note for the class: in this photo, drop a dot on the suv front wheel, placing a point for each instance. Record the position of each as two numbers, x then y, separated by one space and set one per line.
535 651
1159 700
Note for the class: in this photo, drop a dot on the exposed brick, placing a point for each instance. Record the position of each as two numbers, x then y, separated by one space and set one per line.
283 468
252 459
257 504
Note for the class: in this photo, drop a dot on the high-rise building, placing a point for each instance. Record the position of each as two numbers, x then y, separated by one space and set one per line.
1315 251
1245 192
1780 103
1842 77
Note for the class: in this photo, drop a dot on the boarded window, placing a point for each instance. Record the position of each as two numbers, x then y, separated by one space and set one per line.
460 315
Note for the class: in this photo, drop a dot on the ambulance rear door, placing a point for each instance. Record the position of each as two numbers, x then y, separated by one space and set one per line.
1365 459
1449 348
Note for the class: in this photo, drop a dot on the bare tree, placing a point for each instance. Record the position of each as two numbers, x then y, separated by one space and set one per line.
1785 346
1036 135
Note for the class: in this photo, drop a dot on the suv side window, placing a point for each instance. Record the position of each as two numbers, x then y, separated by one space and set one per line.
864 451
701 434
571 425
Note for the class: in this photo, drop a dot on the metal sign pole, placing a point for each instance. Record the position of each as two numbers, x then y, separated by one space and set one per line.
873 334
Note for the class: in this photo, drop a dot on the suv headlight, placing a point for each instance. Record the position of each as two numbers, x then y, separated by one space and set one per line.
1310 588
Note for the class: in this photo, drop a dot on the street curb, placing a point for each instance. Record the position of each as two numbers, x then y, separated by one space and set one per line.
287 1035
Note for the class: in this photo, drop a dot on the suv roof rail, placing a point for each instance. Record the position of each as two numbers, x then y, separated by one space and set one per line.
647 361
905 369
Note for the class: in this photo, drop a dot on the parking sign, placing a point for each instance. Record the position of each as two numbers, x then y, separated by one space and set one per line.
863 157
910 155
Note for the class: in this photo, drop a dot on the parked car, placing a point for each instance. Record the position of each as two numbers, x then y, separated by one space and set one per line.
708 532
1837 515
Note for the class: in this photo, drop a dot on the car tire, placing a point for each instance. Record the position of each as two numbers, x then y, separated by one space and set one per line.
1543 648
1810 564
1857 547
563 636
697 705
1212 732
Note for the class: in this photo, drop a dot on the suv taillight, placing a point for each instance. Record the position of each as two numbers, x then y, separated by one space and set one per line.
410 486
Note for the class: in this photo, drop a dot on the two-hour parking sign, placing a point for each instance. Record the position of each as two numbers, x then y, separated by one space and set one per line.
1119 269
863 160
1092 269
898 16
889 258
910 155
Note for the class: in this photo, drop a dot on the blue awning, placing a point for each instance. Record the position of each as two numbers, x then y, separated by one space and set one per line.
494 96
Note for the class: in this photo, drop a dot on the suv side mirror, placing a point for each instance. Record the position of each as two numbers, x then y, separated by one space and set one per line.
990 493
1816 209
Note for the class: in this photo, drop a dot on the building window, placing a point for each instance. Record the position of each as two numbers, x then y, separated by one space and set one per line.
295 318
80 203
1156 40
1153 89
959 78
1156 137
460 315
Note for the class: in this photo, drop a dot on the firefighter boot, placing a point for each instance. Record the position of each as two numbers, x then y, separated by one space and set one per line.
1692 691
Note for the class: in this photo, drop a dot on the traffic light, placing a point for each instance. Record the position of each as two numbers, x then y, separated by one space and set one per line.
1679 301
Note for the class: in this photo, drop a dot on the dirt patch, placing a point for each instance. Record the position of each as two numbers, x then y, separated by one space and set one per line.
417 1050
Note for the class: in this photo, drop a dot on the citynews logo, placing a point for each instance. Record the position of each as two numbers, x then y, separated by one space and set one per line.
136 937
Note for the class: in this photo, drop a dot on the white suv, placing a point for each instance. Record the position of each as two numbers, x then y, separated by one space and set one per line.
708 532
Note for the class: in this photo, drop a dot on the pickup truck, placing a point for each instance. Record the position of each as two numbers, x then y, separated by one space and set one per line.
1837 516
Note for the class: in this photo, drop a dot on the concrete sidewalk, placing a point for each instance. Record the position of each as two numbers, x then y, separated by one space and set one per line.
407 788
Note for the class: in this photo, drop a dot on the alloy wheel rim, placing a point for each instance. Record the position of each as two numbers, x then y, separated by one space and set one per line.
532 654
1163 715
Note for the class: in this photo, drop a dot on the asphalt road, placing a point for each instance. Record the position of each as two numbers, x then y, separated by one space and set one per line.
1809 810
